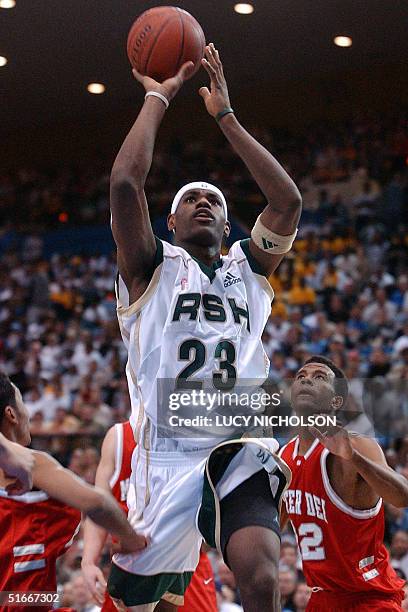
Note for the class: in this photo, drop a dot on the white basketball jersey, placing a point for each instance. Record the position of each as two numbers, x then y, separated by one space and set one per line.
193 323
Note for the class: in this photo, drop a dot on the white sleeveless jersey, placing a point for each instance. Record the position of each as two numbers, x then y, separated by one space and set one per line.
192 323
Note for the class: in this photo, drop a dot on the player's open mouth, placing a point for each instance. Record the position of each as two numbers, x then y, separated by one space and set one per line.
306 392
204 215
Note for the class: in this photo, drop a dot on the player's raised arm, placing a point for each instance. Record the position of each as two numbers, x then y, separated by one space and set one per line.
365 456
97 504
95 536
131 226
275 229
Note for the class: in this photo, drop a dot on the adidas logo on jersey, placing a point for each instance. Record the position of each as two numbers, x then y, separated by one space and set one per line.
230 279
267 244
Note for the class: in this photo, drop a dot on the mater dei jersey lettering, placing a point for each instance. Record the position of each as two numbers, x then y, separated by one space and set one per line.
213 308
304 503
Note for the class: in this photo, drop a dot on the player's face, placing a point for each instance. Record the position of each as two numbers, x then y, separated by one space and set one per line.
200 218
23 425
313 390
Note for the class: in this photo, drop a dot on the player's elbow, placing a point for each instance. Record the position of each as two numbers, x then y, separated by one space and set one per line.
288 204
125 183
295 200
400 494
404 497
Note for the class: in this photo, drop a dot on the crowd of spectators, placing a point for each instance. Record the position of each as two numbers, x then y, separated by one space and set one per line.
341 292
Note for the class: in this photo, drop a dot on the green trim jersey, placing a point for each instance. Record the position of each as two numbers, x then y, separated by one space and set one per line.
193 323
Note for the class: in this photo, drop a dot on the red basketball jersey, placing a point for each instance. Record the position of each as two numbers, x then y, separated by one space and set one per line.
34 531
342 548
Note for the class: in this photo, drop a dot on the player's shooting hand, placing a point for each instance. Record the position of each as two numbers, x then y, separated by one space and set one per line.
217 98
170 87
17 464
95 580
336 440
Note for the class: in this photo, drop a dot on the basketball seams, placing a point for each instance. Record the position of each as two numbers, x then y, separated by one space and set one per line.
193 25
158 44
182 41
153 44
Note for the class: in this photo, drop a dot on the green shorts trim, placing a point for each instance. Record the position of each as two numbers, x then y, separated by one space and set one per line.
135 590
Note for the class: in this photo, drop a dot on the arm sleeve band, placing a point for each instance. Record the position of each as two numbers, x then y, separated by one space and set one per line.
268 241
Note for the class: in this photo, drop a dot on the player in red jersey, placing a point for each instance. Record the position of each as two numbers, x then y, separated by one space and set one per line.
200 594
113 474
37 527
335 502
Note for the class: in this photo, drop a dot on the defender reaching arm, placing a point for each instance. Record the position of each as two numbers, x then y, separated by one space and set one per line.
365 457
95 503
275 229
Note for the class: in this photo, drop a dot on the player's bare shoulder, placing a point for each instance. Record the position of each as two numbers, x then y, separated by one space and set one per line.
368 447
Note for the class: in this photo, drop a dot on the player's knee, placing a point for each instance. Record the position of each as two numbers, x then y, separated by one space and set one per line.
263 583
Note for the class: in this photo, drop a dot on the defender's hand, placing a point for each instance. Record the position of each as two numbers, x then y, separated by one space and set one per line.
132 544
336 440
95 580
169 87
17 464
217 99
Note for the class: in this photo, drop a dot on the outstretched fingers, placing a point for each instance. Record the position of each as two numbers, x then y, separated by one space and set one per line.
209 68
215 55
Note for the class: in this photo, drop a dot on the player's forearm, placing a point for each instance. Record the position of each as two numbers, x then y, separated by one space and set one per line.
135 156
275 183
94 541
108 514
389 485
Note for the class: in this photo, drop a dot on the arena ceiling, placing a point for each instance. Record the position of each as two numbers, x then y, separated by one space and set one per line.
55 48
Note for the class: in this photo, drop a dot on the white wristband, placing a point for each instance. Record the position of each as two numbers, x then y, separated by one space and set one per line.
156 94
269 242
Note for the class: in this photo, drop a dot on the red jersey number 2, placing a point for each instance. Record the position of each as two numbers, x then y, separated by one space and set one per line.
311 538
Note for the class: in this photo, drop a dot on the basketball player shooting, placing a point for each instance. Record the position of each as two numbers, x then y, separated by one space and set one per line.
335 502
182 318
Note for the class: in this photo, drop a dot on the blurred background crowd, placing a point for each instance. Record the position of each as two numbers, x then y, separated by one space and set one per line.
342 292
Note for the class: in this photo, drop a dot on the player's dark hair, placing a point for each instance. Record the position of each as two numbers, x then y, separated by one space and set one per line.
340 381
7 394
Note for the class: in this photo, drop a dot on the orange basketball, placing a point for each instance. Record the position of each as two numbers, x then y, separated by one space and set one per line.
162 39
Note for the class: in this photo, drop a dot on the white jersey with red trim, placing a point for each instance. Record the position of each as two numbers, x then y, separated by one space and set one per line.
342 548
